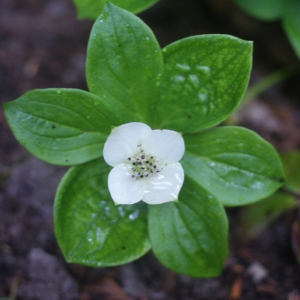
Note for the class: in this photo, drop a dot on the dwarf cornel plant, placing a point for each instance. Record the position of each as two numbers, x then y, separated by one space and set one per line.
183 90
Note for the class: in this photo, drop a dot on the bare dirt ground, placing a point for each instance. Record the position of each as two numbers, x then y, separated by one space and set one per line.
43 45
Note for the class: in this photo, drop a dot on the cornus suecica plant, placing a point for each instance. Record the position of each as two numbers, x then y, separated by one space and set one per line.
141 135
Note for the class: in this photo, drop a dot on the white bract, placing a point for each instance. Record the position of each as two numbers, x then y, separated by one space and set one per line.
145 164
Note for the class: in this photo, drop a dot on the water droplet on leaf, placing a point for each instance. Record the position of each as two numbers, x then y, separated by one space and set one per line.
193 79
204 69
182 67
202 97
134 215
147 40
121 211
179 78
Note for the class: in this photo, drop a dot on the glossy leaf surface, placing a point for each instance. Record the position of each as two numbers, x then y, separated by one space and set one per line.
234 164
123 62
90 9
89 227
60 126
204 80
190 236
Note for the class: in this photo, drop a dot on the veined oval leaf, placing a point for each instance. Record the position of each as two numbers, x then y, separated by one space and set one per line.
234 164
190 236
123 63
204 80
60 126
90 229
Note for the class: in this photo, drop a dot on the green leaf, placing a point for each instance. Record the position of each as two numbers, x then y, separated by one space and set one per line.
256 216
291 163
123 62
267 10
291 23
90 229
234 164
205 78
60 126
90 9
190 236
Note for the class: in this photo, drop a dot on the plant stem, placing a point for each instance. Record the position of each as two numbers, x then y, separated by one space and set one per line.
287 190
267 82
14 287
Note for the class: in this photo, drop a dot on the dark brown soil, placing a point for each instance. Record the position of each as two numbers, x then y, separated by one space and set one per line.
43 45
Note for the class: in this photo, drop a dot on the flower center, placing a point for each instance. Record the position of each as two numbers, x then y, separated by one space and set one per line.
143 165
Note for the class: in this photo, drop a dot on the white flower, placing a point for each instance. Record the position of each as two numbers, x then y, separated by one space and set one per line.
145 164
